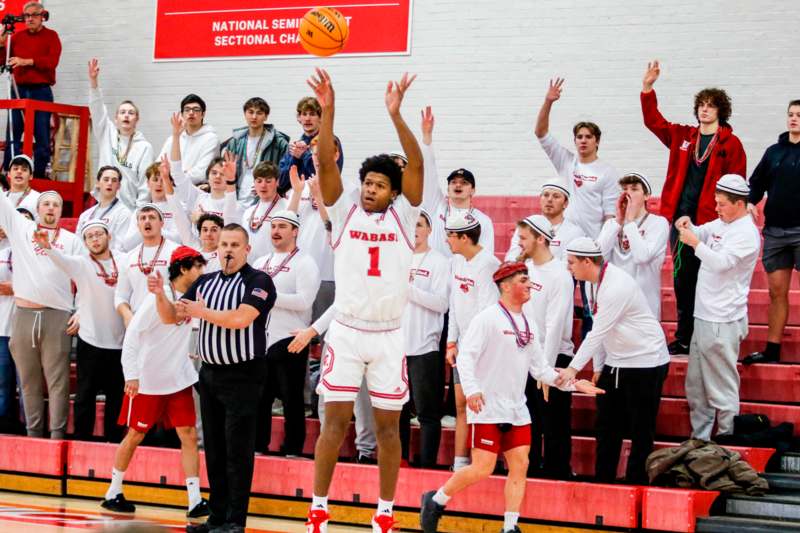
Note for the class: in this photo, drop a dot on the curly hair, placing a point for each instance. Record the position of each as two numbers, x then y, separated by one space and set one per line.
717 98
386 165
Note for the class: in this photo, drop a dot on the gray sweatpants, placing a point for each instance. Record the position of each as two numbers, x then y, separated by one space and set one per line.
366 441
712 380
39 344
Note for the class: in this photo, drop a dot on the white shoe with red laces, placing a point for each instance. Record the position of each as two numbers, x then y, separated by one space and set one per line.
384 523
317 521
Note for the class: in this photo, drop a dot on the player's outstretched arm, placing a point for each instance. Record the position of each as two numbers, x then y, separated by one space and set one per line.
414 172
330 180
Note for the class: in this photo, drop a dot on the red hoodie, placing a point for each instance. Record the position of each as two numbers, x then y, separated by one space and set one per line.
727 157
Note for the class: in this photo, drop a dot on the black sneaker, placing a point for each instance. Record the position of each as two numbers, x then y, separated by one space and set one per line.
206 527
429 513
758 357
676 347
118 505
366 459
201 509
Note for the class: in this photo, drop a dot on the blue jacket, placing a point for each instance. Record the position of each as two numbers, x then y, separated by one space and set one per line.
305 165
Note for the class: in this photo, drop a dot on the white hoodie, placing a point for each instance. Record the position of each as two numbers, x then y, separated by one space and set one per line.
110 143
197 151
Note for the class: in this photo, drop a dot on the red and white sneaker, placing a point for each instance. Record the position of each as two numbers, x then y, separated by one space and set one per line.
384 523
317 521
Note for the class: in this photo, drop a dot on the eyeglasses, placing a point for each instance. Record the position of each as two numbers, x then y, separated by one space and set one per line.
192 110
32 15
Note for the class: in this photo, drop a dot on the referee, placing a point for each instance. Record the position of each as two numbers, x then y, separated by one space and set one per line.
233 305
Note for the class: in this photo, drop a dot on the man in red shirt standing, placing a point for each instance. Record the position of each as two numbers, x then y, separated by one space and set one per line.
34 57
698 157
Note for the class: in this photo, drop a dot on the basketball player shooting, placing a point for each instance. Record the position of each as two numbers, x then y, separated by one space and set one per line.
373 241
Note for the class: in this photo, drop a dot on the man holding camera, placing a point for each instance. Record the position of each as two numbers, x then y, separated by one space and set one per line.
33 57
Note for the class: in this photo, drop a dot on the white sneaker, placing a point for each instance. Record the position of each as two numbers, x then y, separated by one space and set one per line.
448 421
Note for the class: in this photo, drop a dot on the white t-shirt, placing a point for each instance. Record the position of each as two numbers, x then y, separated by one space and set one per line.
6 302
132 285
257 220
625 332
101 325
428 300
372 259
313 238
435 202
296 280
728 253
116 216
593 187
639 251
551 306
491 362
472 290
157 354
562 235
35 277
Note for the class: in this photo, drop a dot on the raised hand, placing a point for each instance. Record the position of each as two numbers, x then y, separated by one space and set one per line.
298 182
622 207
176 121
164 174
427 125
320 83
155 283
94 72
395 91
229 166
42 239
554 90
651 75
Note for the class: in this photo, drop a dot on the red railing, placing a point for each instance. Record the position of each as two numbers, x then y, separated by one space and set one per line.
71 191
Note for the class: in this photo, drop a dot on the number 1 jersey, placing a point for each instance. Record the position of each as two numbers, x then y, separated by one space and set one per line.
372 258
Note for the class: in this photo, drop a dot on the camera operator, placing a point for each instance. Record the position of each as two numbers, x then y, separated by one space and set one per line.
33 57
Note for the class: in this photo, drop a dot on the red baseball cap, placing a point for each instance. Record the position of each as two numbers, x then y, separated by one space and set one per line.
183 252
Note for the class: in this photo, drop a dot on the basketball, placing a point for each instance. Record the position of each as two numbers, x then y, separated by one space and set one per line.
323 31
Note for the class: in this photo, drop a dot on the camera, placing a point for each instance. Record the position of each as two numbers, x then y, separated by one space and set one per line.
10 20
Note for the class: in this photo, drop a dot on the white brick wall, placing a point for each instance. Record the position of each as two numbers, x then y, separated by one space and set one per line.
484 67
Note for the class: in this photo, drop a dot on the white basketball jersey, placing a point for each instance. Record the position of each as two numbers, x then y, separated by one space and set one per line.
372 257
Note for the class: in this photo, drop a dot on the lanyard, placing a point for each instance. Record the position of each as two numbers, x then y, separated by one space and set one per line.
620 236
523 338
104 213
110 279
596 288
274 272
255 226
147 270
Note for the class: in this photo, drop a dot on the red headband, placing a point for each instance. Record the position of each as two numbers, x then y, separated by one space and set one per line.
509 268
183 252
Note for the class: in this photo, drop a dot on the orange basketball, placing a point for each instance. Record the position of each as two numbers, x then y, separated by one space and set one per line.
323 31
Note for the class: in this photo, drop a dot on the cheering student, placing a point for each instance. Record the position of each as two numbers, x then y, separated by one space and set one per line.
499 350
157 178
101 329
41 323
119 144
158 381
256 218
728 251
457 201
698 156
109 209
630 361
19 192
197 142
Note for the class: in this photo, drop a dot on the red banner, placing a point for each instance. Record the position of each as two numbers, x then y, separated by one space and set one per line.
235 29
13 7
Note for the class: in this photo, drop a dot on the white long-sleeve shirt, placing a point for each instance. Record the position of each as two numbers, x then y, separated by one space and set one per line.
132 284
197 151
26 201
35 277
261 235
157 354
116 216
491 362
296 284
625 332
728 253
593 187
101 326
169 230
313 238
435 202
6 302
563 234
640 252
111 146
472 290
428 300
551 306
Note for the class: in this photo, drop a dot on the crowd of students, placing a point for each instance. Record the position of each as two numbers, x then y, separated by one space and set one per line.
595 238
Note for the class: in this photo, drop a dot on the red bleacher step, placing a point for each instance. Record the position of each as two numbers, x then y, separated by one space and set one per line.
675 509
757 306
756 340
33 456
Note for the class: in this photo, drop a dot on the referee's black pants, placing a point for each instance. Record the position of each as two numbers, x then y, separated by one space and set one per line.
551 421
99 369
629 407
229 396
286 379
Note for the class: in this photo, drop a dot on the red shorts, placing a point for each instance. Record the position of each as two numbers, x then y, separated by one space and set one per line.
489 437
143 411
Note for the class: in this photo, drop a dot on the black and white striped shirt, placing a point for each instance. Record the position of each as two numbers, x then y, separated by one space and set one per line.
221 292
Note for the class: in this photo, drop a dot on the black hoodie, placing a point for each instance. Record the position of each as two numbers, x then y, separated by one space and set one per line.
778 175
